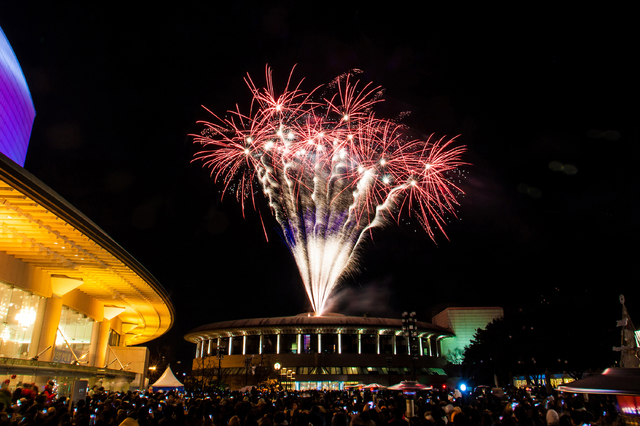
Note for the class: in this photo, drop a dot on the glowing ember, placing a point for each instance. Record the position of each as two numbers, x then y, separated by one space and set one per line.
331 170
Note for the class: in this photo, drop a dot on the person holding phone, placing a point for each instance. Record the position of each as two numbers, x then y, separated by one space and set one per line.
50 391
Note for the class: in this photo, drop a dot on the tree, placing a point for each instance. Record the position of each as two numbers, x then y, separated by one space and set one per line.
535 342
455 356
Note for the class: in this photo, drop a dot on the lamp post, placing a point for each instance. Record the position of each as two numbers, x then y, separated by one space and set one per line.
410 331
220 355
247 364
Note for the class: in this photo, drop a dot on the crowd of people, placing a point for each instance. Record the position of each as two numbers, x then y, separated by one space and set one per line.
27 406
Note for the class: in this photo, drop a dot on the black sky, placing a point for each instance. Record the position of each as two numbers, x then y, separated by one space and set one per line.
118 90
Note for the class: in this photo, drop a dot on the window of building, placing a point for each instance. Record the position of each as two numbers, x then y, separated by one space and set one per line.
386 344
289 344
252 345
329 343
114 338
349 343
369 344
18 312
269 343
74 337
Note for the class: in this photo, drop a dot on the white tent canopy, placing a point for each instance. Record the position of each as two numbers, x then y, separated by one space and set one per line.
167 381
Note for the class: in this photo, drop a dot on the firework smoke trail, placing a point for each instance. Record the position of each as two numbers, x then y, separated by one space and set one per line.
331 170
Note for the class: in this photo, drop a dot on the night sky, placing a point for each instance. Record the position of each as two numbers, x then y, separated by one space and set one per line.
544 99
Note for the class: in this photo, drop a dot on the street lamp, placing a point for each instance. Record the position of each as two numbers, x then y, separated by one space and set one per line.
220 355
247 364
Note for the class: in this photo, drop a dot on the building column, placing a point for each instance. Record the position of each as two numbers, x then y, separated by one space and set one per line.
198 345
439 345
359 344
37 329
278 343
299 343
319 343
395 347
49 332
230 345
339 343
260 348
421 351
93 344
378 342
100 359
244 344
429 346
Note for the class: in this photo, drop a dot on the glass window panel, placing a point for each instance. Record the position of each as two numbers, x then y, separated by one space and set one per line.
329 343
253 345
18 312
73 337
269 343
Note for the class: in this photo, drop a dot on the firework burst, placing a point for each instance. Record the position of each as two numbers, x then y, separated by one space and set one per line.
330 170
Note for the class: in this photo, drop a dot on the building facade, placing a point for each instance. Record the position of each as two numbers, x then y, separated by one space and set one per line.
464 322
317 352
73 303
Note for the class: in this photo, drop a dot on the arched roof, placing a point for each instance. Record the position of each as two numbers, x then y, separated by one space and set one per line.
307 324
41 229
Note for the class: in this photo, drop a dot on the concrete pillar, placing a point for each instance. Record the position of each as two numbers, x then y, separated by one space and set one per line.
198 349
49 331
299 343
244 344
378 342
102 346
230 345
91 357
260 348
37 329
359 343
319 343
421 351
395 347
339 343
278 344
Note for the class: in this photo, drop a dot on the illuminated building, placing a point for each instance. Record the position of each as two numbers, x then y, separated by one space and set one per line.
72 301
322 352
464 322
16 107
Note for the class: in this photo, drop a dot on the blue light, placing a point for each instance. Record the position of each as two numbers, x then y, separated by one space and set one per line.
463 387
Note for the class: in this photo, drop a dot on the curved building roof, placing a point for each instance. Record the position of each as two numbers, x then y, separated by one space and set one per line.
42 230
331 323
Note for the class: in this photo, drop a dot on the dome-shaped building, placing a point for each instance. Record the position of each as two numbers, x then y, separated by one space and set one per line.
317 352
